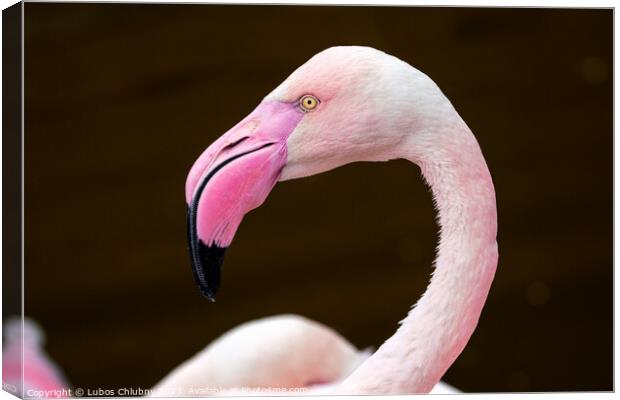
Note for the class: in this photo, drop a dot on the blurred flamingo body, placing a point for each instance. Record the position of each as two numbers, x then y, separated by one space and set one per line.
350 104
279 355
41 376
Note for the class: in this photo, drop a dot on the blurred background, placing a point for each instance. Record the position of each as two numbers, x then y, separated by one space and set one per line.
121 99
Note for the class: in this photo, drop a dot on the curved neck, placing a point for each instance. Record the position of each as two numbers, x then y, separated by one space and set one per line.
438 327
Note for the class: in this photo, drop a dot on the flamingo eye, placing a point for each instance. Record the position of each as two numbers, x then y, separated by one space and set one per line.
308 103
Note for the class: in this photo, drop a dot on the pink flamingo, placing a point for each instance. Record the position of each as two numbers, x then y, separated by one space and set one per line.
284 351
25 362
265 356
351 104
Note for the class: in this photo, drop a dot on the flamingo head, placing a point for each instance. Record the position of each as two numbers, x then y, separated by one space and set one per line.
345 104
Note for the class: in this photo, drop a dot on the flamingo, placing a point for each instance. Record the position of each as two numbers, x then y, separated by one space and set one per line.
265 356
283 351
27 370
350 104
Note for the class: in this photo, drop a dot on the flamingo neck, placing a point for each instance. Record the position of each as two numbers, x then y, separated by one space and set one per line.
439 326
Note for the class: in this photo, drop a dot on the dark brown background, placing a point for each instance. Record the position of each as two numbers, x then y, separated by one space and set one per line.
120 100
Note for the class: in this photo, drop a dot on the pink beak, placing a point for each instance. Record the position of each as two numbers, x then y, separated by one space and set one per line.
230 178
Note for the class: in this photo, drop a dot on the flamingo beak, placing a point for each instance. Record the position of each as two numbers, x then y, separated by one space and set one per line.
231 177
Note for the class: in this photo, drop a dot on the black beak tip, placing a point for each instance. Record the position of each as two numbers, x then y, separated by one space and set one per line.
206 291
207 264
208 295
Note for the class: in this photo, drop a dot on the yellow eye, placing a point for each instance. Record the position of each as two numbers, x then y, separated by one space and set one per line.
308 102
